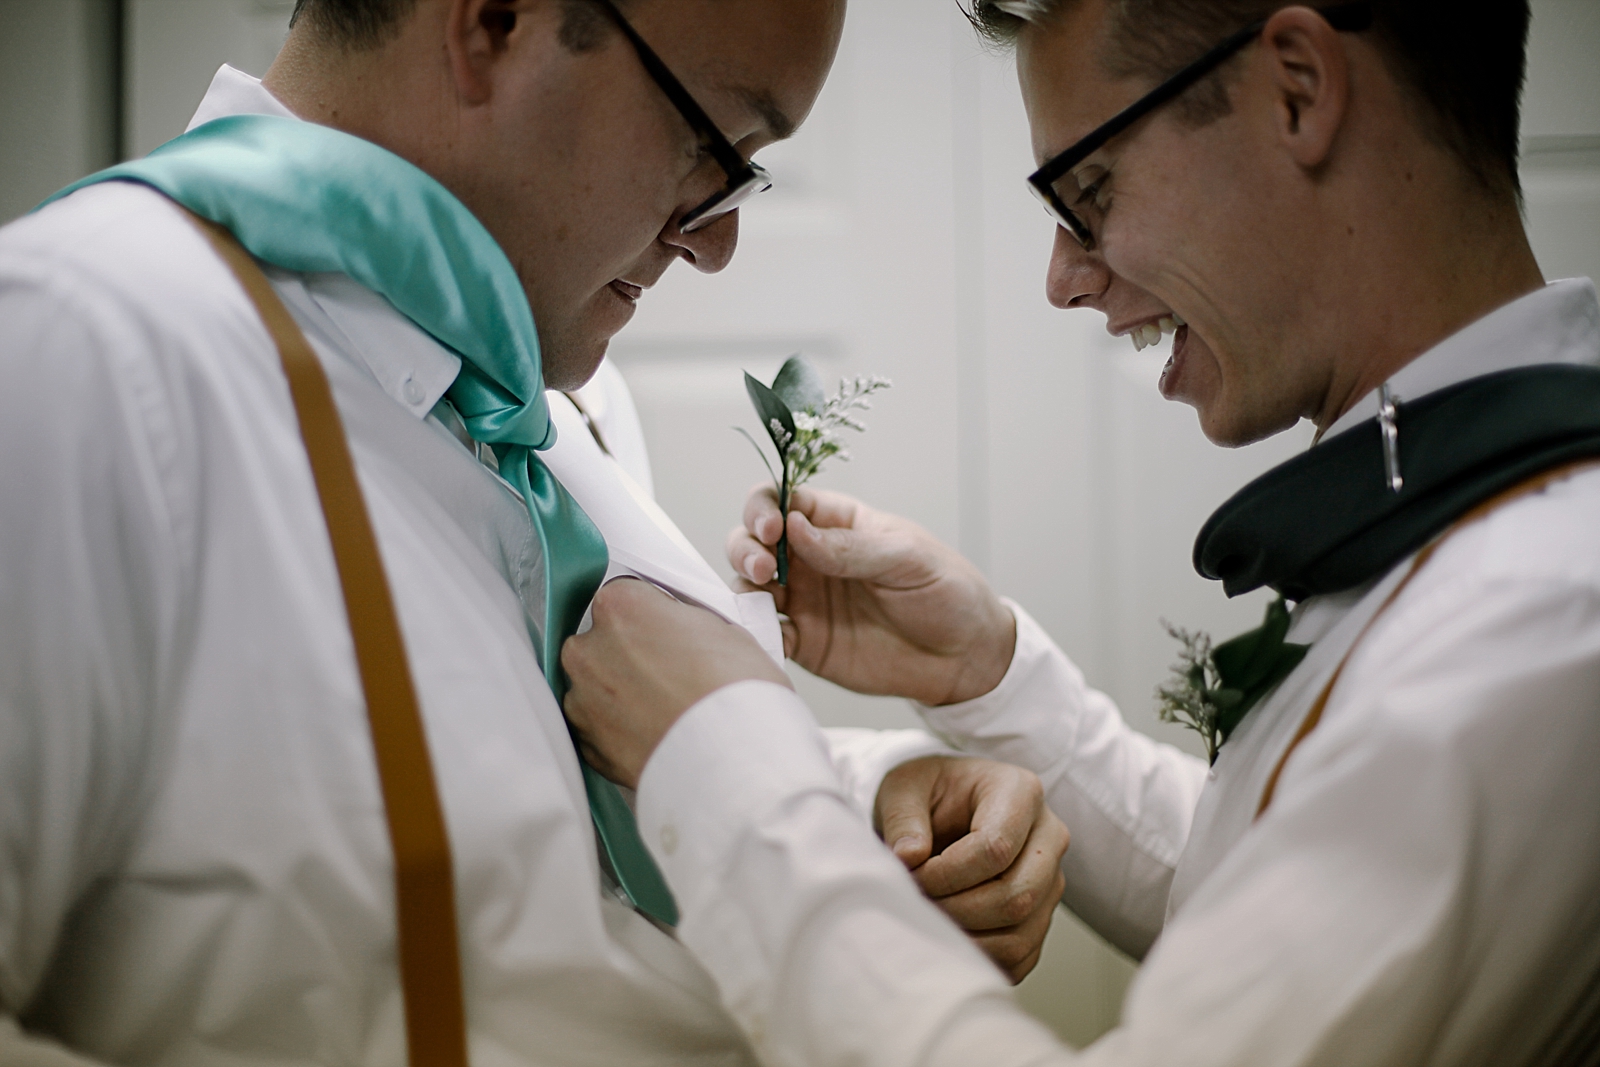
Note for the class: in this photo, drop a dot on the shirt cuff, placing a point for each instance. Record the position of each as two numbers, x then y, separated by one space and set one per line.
1031 681
751 746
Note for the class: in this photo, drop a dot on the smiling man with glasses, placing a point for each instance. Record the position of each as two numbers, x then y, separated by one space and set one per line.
1389 858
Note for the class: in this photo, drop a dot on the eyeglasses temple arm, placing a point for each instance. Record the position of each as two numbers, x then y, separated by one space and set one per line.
1344 17
710 138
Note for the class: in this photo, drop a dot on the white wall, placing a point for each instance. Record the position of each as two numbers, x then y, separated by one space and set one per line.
175 46
900 242
57 96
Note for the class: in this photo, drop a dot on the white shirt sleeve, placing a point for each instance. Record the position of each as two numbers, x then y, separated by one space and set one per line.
93 535
862 757
822 946
1127 800
1421 890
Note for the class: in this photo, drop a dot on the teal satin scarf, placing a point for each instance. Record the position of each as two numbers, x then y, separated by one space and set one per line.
309 198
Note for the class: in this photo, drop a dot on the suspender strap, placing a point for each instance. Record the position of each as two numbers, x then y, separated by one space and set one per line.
1494 503
430 962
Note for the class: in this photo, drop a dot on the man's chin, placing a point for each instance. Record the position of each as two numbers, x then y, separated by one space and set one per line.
1227 425
570 365
1193 376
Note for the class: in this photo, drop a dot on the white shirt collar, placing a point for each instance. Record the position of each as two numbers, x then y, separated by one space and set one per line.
412 367
233 92
1559 323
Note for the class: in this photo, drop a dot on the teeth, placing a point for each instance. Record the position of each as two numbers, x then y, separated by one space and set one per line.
1152 332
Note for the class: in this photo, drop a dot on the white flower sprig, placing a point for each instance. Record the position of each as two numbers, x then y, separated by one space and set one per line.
1185 699
804 425
816 438
1214 686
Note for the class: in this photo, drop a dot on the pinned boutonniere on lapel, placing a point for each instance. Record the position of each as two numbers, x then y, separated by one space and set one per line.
804 423
1212 688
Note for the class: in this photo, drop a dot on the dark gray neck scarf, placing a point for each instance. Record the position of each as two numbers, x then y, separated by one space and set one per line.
1326 521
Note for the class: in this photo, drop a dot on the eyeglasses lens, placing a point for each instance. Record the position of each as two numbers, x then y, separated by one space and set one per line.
755 180
1064 216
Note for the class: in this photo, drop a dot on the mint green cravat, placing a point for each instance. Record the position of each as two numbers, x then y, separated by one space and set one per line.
312 199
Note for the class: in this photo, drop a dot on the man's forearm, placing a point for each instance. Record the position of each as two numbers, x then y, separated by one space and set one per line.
832 962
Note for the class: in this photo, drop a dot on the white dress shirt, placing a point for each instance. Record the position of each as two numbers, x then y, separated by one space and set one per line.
1424 888
194 866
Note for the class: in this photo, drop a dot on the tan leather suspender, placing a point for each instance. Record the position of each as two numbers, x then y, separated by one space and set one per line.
1494 503
430 961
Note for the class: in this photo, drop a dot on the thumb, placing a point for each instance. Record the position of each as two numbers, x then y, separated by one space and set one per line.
904 816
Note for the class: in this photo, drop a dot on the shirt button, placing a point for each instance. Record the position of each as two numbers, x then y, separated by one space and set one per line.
412 391
669 840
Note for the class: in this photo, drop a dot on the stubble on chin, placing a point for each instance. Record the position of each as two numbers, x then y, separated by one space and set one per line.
1233 421
569 363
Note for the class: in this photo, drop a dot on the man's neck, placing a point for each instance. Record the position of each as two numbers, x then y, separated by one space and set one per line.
356 91
1479 260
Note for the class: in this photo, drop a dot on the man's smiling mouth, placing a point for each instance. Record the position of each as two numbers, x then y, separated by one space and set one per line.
1150 333
627 290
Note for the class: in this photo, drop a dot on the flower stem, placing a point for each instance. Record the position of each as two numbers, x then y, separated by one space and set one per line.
783 539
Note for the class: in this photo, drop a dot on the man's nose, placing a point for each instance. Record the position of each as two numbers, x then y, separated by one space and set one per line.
709 248
1076 278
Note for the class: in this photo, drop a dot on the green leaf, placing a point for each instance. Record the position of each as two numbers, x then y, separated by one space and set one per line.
1245 661
1232 715
1251 664
769 407
799 386
1224 699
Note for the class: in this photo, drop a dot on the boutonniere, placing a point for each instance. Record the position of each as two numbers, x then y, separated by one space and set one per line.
803 423
1212 687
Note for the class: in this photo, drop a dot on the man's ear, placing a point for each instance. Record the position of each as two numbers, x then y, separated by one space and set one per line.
1310 76
477 33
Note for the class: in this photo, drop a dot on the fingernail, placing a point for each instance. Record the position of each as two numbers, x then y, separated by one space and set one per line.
907 843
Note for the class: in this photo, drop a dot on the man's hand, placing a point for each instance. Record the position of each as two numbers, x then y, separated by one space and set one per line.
981 843
874 602
647 660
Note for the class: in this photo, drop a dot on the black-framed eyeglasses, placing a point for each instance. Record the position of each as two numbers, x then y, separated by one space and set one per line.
1347 18
745 178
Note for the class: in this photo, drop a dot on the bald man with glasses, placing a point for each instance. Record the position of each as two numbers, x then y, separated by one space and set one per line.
313 461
